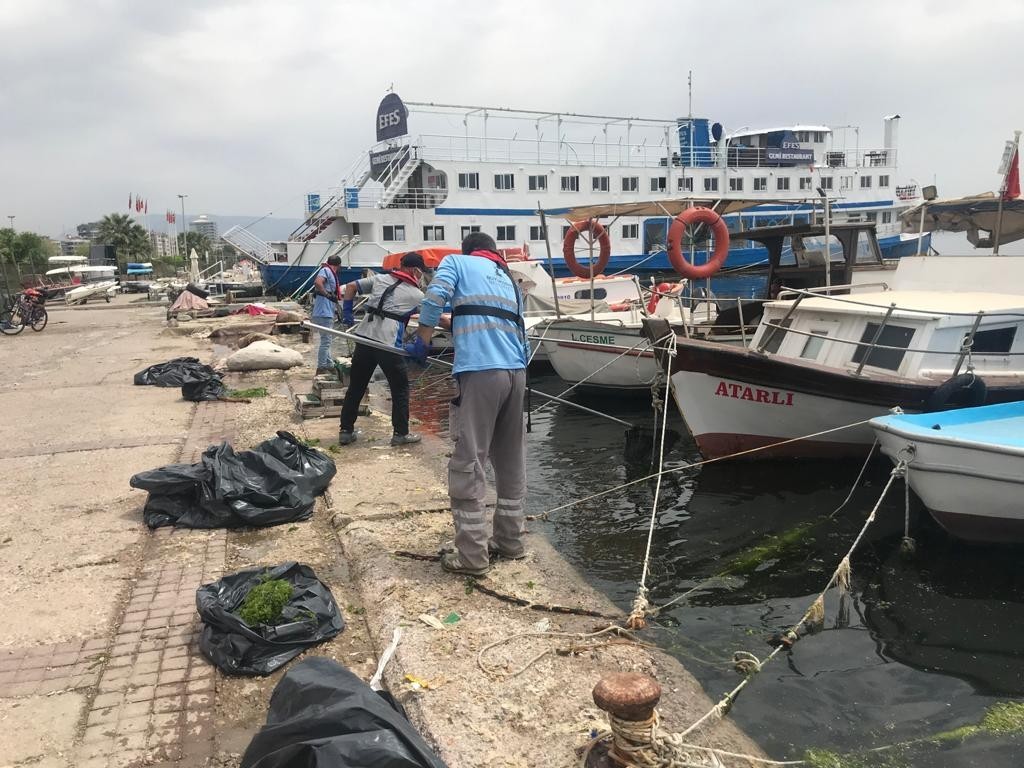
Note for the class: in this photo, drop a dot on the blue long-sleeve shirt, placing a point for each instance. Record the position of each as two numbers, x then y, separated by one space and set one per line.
482 342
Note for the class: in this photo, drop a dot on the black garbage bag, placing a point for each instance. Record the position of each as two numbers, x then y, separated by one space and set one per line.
323 716
235 648
175 373
274 483
204 389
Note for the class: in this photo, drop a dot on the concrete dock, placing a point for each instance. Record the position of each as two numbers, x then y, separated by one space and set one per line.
99 664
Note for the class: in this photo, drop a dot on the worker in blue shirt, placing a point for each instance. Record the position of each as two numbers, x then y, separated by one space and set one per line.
486 416
325 302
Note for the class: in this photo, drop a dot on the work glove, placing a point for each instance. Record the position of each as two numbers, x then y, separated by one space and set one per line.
347 318
417 351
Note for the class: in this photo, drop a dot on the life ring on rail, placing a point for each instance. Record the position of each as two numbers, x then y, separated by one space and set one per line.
660 290
675 240
967 390
596 230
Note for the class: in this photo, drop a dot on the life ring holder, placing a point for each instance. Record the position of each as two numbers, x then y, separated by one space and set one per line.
598 232
690 216
966 390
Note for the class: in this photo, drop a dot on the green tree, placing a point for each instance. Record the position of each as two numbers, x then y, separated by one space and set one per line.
195 240
26 249
130 240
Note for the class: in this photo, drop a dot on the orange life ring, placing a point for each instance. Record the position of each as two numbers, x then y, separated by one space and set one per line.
596 229
675 240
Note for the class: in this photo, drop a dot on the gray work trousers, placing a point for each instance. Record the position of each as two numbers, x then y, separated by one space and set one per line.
487 422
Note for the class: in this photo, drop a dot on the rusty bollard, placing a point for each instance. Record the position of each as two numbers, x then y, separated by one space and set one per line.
629 698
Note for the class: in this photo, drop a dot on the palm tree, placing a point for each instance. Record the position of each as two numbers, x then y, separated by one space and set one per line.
196 240
127 236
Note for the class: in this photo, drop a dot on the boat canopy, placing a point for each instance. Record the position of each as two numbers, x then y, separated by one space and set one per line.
671 207
974 215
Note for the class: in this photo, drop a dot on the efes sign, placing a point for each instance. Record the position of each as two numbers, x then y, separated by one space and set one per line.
391 118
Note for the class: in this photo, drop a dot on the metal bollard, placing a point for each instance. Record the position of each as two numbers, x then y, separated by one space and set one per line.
629 698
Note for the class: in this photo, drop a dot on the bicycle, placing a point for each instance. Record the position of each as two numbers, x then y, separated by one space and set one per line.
27 310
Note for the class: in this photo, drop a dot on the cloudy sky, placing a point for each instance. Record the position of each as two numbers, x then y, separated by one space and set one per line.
245 106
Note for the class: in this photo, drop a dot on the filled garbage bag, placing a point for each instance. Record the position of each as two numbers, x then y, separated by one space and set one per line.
323 716
205 389
309 617
274 483
175 373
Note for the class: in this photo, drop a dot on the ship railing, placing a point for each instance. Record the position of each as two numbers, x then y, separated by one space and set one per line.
826 290
409 197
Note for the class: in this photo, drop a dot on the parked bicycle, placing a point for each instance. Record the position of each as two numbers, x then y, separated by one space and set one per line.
27 310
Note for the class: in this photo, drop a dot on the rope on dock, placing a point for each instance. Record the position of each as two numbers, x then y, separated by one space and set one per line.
475 584
619 634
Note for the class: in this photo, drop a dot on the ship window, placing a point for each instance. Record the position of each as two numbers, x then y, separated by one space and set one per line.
819 137
813 344
394 233
845 182
630 183
760 184
538 183
355 228
806 182
886 217
865 182
826 182
630 231
711 184
536 233
782 183
505 181
565 230
469 181
735 185
775 339
892 336
467 230
599 293
994 342
506 233
600 184
883 180
570 183
684 184
658 183
433 234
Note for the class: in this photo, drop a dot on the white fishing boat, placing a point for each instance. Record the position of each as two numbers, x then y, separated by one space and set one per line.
967 466
81 294
823 365
411 190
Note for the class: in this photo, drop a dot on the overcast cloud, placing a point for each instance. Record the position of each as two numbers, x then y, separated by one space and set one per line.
247 105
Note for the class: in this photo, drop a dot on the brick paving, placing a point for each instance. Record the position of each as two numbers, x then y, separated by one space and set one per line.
154 695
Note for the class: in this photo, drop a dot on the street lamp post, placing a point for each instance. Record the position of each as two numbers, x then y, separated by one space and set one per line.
11 218
184 227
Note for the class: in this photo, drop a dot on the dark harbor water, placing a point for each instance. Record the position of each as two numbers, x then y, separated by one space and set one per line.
919 648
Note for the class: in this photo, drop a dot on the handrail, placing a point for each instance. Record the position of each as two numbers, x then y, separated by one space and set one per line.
802 293
825 290
966 344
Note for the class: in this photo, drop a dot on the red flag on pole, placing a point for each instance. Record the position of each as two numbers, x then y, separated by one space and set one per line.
1011 189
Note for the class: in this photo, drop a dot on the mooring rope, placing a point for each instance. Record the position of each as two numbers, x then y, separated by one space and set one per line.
615 630
544 515
636 620
840 575
655 610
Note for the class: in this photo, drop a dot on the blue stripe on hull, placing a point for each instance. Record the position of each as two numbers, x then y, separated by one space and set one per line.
280 279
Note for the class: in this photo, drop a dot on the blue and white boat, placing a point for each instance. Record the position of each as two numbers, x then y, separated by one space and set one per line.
967 466
491 168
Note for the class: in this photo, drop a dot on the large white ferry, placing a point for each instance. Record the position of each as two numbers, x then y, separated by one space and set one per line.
491 168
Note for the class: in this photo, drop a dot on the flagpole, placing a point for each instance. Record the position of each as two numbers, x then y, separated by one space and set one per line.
1002 193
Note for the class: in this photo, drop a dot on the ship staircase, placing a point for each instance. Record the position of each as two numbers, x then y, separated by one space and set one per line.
248 244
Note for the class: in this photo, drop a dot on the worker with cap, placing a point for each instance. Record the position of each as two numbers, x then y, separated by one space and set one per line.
392 299
325 302
486 415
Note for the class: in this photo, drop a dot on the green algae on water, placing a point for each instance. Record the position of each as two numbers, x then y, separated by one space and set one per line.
265 601
1004 717
773 547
